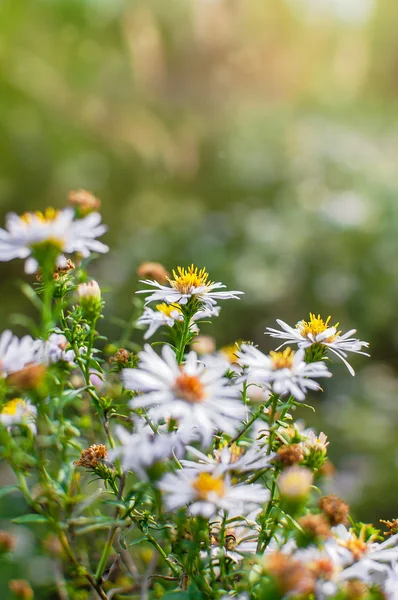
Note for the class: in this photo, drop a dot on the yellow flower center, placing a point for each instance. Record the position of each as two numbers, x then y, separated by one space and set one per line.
12 406
167 309
186 279
316 325
235 452
49 215
229 352
358 545
282 360
189 388
205 484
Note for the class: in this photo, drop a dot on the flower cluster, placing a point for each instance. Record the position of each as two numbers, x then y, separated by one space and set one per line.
187 462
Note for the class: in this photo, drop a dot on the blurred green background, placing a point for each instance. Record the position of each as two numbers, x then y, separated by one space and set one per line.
258 138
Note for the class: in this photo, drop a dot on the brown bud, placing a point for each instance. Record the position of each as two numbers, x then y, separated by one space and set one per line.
84 200
21 589
90 457
28 378
315 526
204 344
153 270
335 509
290 454
7 542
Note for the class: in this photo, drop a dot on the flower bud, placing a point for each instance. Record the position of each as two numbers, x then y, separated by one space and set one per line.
7 542
85 202
21 589
295 484
153 270
89 295
204 344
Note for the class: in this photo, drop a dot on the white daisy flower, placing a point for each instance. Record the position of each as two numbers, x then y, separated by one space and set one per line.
362 557
284 372
318 331
390 586
19 412
206 494
230 458
186 284
143 448
168 314
194 394
240 537
16 353
59 228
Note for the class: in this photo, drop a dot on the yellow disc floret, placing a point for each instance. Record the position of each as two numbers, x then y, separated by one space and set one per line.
205 484
282 360
229 352
186 279
189 388
315 326
11 407
167 309
48 215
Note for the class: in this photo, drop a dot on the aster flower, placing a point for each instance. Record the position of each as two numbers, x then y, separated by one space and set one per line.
320 332
230 458
186 284
15 353
55 349
362 555
24 234
143 448
240 537
168 314
284 372
195 394
19 412
207 493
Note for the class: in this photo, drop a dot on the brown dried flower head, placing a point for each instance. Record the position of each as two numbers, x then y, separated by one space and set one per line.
290 454
21 589
122 356
59 271
84 200
289 574
335 509
316 526
153 270
90 457
28 378
7 542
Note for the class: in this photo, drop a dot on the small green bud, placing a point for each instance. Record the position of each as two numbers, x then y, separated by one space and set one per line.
89 295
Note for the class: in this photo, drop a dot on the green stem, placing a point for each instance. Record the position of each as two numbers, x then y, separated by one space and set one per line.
184 338
111 537
174 569
248 425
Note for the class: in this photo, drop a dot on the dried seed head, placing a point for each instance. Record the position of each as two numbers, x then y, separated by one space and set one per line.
21 589
84 200
7 542
315 526
290 454
90 457
122 356
335 509
153 270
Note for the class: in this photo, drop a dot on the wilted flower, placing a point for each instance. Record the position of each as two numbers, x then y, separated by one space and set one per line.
335 509
92 456
24 235
154 271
